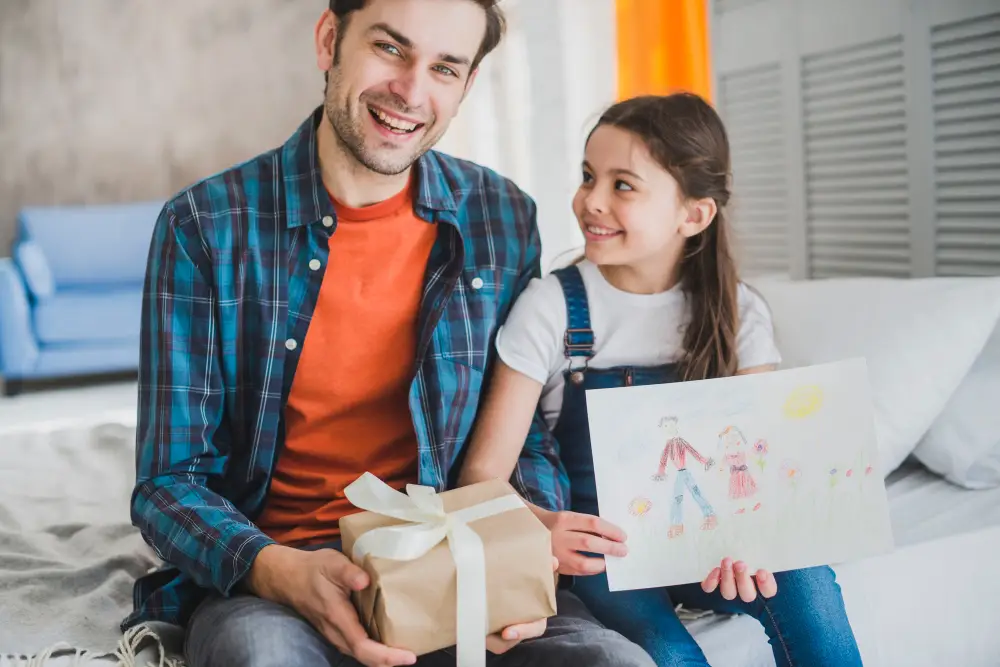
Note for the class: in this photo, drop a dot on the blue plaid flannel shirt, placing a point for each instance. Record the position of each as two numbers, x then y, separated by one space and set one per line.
228 290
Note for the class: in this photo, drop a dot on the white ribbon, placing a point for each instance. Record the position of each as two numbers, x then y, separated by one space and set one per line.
428 525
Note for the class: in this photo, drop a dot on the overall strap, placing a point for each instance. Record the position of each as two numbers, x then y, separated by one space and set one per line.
579 338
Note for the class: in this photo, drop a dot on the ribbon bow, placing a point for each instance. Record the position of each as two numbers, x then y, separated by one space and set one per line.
428 525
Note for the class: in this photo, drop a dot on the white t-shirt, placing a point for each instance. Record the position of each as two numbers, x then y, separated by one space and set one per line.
629 330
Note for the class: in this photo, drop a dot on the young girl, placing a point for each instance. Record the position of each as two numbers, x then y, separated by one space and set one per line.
656 300
733 453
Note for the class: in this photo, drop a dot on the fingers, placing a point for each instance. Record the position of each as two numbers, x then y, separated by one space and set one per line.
345 626
339 569
744 583
577 565
711 582
727 585
766 584
595 545
514 635
588 523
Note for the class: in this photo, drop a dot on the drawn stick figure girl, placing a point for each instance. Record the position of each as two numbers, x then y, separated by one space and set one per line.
733 452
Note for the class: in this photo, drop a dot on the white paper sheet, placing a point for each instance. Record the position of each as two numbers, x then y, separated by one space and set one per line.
810 492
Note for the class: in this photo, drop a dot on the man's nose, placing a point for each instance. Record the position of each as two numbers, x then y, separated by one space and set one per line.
410 86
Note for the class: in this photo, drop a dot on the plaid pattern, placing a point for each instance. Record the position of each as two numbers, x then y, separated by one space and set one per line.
227 301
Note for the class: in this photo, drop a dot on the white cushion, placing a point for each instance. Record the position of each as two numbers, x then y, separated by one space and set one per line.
963 444
920 337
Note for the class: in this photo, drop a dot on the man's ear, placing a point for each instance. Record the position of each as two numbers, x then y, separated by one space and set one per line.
700 214
325 38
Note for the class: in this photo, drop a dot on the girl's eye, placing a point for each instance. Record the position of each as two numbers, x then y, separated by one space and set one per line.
587 178
389 48
622 185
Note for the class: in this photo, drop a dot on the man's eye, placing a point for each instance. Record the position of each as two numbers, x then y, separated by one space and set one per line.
447 71
389 48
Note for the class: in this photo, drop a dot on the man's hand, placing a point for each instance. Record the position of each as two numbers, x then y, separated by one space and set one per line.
573 533
318 585
709 463
658 477
734 578
515 634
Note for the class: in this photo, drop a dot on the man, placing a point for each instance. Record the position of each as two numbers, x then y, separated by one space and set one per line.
326 309
675 451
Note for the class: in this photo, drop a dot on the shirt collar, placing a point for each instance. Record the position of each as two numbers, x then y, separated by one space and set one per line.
306 198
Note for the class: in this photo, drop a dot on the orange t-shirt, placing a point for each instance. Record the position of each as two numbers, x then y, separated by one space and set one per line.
348 409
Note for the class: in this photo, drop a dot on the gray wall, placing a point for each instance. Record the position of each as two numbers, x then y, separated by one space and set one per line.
109 101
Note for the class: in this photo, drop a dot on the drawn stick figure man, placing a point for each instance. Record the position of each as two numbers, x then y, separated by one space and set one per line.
675 451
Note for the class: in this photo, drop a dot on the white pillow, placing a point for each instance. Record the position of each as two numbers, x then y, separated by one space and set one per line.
963 444
920 337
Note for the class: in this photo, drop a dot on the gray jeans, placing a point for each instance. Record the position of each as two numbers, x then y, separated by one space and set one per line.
246 631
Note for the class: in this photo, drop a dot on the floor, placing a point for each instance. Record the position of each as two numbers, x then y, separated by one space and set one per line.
115 400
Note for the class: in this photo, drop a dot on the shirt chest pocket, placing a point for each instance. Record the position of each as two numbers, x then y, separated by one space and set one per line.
467 327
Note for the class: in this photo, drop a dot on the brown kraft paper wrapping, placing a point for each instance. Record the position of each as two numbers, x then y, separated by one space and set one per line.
411 605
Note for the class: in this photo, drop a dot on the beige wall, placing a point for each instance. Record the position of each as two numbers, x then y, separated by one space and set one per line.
109 101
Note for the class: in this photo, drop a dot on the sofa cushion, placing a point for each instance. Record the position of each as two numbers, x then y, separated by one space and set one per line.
74 316
35 269
87 246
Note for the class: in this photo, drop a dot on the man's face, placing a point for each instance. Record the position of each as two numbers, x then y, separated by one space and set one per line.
401 73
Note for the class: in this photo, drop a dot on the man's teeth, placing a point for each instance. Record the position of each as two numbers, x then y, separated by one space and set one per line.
601 231
394 123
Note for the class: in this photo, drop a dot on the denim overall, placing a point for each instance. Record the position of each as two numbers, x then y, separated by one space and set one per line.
806 622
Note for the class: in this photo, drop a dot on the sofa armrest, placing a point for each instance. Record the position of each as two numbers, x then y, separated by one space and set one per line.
18 348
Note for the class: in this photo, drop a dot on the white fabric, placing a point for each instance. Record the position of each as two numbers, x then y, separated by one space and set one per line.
963 443
428 525
919 336
68 551
632 329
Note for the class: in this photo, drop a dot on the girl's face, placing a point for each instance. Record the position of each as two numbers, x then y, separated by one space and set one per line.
630 209
732 440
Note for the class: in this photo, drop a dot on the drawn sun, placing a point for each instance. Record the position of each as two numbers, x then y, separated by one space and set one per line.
640 506
803 402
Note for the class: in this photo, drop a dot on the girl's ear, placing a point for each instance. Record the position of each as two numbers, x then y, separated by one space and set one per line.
700 214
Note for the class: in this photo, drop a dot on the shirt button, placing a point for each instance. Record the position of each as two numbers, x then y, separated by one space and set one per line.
291 344
327 221
314 264
477 283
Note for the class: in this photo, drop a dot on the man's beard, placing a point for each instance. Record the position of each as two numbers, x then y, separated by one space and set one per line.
350 133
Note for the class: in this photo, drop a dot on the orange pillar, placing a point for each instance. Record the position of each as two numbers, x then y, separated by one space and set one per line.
663 47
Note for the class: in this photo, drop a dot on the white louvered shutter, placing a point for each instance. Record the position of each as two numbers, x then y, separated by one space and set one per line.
749 102
854 120
965 61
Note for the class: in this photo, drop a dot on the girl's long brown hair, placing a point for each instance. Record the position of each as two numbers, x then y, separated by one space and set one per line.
686 136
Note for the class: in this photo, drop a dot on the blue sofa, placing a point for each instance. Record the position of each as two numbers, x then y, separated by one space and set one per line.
71 293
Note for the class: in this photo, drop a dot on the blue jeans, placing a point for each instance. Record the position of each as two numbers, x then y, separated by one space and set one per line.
806 623
683 481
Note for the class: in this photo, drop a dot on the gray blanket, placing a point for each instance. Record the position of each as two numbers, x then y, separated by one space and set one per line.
68 552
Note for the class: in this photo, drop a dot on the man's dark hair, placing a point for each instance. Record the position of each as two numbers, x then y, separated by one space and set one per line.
495 24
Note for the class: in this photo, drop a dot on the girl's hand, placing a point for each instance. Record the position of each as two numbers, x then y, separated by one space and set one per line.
573 533
734 578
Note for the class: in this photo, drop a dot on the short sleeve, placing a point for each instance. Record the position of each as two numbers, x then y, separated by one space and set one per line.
530 341
755 344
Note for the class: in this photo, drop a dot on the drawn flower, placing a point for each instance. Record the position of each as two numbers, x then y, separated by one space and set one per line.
868 470
790 472
760 447
640 506
850 472
833 477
